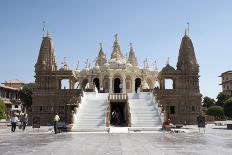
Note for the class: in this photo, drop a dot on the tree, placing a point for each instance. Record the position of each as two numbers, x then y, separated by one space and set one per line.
228 107
2 110
221 98
208 102
25 94
216 111
204 109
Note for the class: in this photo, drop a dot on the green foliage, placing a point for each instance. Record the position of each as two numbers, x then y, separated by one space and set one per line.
208 102
204 109
221 98
228 107
26 94
2 110
216 111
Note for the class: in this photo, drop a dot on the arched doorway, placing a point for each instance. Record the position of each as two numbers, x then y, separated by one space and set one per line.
137 84
117 88
97 83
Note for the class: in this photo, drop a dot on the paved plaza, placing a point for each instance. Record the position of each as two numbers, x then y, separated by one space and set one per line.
216 140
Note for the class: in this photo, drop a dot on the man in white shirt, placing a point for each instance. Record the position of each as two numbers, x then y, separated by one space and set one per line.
14 121
55 121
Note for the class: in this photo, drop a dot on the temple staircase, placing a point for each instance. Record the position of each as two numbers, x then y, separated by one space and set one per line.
92 112
144 111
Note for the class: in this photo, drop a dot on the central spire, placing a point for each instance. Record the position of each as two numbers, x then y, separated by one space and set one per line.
116 54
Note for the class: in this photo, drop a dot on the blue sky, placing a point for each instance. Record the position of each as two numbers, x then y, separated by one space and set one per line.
154 27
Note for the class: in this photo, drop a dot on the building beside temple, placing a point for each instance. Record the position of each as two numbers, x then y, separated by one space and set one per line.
226 78
9 94
119 81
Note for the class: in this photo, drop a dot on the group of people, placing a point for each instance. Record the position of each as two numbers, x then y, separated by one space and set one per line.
14 121
24 122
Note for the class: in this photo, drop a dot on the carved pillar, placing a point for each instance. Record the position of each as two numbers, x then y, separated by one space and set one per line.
133 85
124 84
110 88
101 82
90 81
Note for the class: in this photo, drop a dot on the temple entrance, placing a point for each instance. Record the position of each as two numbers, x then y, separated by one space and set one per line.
137 84
118 112
97 83
117 83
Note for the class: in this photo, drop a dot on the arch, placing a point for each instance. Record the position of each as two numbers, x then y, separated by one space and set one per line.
117 85
156 84
137 84
96 81
65 84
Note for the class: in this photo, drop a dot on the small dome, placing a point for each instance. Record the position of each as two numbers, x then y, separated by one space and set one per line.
168 69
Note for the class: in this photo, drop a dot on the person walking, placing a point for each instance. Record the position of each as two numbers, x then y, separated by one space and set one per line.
14 121
25 121
55 121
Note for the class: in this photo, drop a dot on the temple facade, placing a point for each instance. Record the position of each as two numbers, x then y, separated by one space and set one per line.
118 74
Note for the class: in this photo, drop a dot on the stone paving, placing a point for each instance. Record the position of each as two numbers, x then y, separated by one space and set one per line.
216 140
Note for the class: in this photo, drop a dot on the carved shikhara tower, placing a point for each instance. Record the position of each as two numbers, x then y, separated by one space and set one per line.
183 102
116 75
47 97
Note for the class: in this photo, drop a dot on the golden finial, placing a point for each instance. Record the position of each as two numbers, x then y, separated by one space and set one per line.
131 47
167 63
100 45
44 27
116 36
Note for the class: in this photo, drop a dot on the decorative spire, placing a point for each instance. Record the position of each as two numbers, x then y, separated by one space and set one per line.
87 63
132 58
46 60
168 61
65 65
44 27
145 62
101 59
116 37
185 32
78 66
48 34
188 28
155 64
187 61
116 54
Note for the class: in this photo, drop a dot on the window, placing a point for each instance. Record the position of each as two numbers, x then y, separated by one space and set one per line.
193 108
41 108
172 109
16 106
169 84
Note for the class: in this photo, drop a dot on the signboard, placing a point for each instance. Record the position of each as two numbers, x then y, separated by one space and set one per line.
201 121
36 122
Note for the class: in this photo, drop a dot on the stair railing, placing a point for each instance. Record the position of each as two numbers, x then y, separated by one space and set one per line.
107 117
160 112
